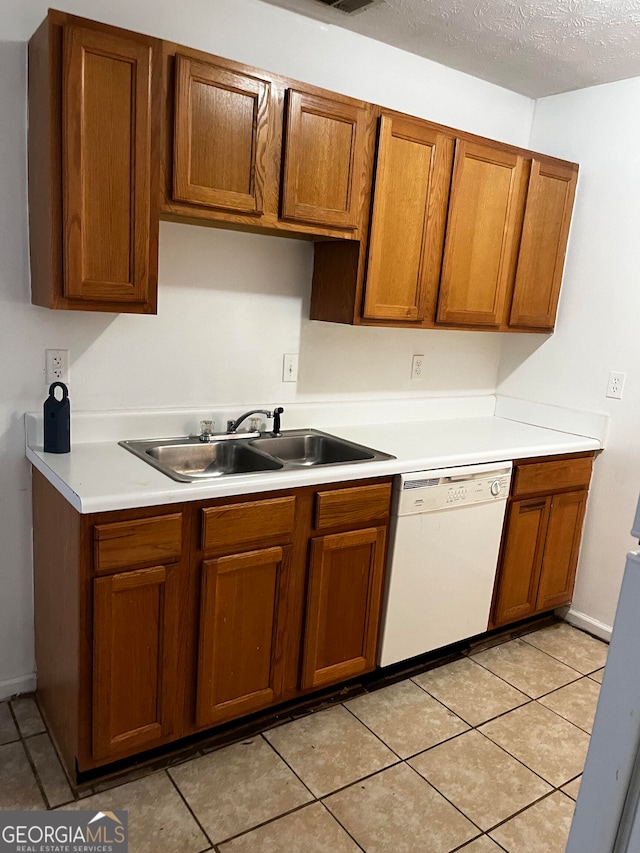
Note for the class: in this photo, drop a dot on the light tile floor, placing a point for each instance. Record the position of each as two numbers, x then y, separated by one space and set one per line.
480 755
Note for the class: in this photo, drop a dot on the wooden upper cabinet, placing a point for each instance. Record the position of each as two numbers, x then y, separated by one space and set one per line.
483 230
93 166
221 136
106 167
325 141
412 179
545 232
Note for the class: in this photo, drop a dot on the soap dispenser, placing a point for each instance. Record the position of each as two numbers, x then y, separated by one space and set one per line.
57 420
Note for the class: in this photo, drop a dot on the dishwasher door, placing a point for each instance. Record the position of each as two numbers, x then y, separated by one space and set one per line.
442 571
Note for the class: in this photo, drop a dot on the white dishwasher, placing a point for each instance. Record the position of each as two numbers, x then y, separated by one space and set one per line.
446 528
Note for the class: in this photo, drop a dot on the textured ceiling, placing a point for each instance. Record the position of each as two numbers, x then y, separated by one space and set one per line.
536 47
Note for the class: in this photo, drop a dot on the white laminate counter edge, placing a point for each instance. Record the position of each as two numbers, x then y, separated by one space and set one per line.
101 476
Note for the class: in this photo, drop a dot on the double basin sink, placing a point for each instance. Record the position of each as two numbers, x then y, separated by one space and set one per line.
190 459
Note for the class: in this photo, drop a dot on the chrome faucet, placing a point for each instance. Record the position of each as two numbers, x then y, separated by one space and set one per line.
232 426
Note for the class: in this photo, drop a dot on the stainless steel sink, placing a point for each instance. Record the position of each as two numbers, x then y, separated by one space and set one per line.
189 459
311 448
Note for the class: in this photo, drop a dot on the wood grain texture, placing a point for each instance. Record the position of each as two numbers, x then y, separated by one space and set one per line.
325 141
552 475
353 506
413 172
236 525
562 547
106 146
202 213
145 640
242 622
48 76
135 660
45 163
138 542
545 233
222 132
57 602
343 608
337 267
483 232
521 560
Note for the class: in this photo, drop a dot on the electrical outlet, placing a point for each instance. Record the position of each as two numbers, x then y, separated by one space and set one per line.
57 366
290 367
417 367
616 385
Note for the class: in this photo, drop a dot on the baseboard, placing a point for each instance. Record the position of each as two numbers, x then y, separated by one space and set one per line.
14 686
588 623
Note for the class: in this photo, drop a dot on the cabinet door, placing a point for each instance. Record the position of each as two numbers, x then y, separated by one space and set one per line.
241 634
110 222
413 172
522 550
324 153
135 633
343 606
544 241
483 230
221 137
561 550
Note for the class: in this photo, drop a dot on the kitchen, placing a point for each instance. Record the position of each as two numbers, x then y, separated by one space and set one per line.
263 283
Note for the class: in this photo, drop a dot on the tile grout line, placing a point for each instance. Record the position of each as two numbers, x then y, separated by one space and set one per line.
386 745
190 810
282 758
339 822
31 762
406 760
23 739
519 689
452 804
557 658
515 758
520 811
528 700
504 749
467 844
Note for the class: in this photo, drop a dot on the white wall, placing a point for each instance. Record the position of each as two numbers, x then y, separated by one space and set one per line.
229 304
598 319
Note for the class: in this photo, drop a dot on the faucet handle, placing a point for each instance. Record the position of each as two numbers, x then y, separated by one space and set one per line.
206 430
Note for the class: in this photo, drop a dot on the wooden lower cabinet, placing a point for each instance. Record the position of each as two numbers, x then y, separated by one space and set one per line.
522 553
242 625
562 543
541 539
345 585
169 620
135 660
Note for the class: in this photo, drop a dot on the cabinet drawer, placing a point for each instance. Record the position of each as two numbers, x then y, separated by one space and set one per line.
544 477
357 505
139 542
235 525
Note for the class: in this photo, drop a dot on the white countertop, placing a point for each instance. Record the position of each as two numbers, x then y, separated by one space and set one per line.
99 476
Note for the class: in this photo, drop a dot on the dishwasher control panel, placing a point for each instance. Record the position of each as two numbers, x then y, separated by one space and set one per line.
444 488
